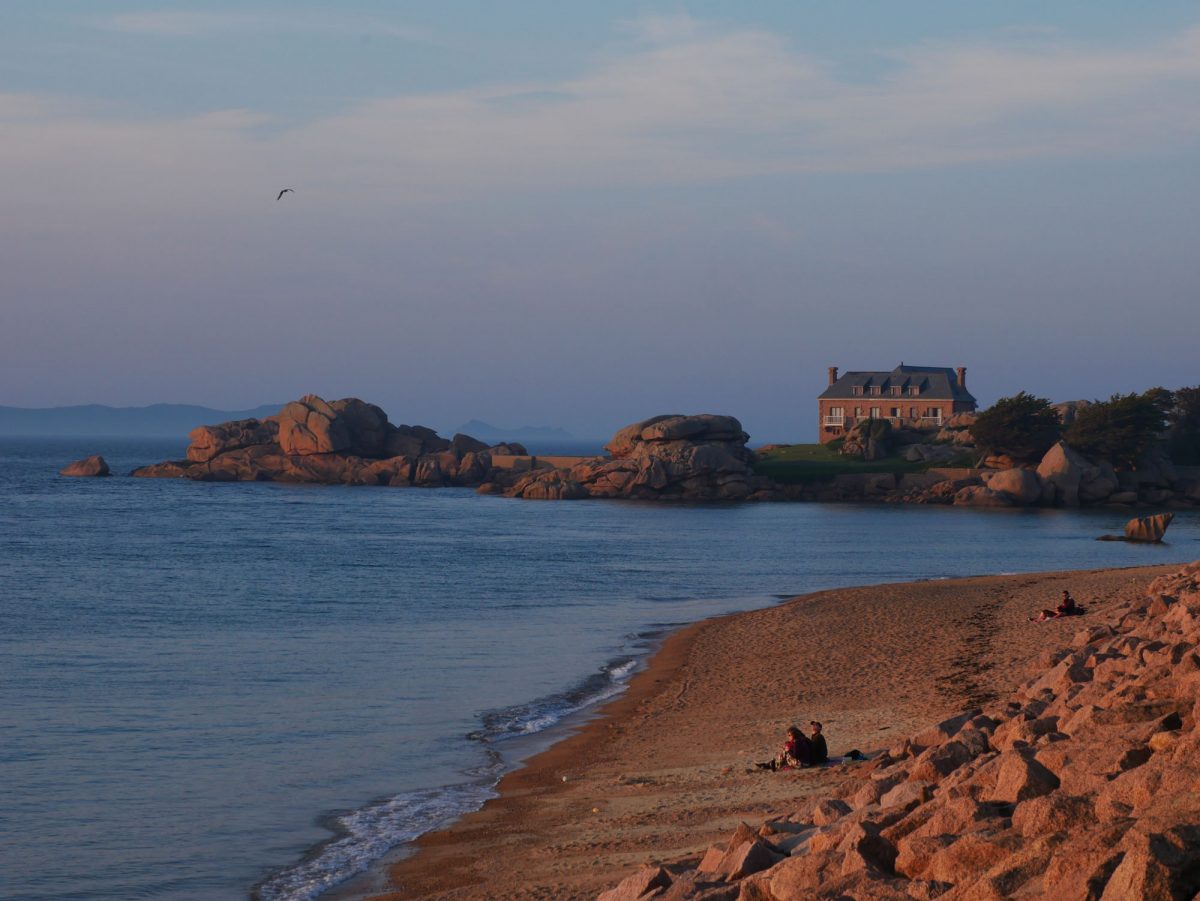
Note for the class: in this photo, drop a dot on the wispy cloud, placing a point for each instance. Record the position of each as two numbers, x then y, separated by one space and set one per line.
682 103
192 24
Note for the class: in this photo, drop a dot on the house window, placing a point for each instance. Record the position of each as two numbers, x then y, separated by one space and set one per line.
856 390
896 389
895 412
858 411
876 391
914 391
875 413
912 412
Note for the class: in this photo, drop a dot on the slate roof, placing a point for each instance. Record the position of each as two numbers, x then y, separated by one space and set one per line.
935 382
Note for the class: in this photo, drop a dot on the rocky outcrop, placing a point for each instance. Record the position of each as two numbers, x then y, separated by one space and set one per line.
343 442
93 466
675 457
1081 785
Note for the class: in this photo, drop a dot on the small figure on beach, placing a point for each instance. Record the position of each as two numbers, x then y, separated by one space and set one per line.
796 753
1066 607
819 750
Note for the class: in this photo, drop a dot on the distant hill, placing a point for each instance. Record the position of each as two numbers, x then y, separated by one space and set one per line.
154 421
492 434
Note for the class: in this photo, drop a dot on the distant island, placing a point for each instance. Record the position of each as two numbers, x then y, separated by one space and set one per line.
488 432
154 421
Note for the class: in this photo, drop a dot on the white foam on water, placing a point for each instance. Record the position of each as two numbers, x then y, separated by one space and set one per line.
367 834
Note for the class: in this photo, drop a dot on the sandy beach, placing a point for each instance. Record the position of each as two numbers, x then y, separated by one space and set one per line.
667 768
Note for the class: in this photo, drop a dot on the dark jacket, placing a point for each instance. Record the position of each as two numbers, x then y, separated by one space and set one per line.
820 750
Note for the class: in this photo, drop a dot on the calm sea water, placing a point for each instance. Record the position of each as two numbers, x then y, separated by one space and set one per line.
209 691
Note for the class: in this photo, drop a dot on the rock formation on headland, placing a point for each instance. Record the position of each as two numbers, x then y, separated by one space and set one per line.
1082 785
344 442
674 457
89 466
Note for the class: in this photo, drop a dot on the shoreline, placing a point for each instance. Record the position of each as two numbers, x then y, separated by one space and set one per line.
663 765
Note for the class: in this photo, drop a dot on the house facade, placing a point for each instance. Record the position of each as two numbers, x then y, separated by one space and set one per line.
921 397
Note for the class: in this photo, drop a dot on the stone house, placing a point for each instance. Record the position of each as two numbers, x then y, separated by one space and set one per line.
920 397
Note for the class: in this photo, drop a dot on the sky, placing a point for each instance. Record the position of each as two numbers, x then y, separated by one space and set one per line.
582 215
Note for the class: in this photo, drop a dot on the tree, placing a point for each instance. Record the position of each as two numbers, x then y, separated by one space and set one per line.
1121 428
1022 426
1184 430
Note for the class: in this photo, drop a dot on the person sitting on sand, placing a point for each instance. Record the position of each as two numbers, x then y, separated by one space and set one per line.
796 752
816 742
1066 607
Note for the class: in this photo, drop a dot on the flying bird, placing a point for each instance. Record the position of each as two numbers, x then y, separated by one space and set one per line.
284 191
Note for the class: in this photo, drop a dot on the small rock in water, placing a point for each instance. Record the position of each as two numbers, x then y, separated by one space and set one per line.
88 466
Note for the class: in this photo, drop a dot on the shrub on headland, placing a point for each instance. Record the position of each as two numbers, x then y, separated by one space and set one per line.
1121 428
1023 427
1184 431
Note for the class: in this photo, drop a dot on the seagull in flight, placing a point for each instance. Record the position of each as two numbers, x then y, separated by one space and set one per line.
284 191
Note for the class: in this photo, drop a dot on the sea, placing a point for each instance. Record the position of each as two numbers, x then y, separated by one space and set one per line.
215 691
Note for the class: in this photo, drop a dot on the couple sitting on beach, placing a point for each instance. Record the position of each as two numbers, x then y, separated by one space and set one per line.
800 750
1066 607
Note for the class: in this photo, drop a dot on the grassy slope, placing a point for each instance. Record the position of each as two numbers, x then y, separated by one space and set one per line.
798 463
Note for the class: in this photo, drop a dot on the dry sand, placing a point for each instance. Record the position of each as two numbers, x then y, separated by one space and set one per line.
666 770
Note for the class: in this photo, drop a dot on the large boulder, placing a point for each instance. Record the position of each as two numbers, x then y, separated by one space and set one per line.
465 444
92 466
1064 470
1022 485
868 439
209 441
1099 484
412 441
311 426
366 425
1148 528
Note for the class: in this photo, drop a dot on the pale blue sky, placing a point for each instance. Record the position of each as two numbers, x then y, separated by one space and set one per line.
584 214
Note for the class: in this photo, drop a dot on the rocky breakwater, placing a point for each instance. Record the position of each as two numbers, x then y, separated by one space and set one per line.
674 457
1082 785
342 442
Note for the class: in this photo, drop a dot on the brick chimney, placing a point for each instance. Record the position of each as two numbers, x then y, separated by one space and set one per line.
832 374
962 377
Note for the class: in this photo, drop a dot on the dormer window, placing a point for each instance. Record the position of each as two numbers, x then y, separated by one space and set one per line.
914 391
856 390
896 389
876 391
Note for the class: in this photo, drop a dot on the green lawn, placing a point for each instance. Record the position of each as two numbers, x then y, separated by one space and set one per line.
797 463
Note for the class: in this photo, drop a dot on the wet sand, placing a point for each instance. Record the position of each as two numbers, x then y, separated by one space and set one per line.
667 768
